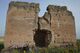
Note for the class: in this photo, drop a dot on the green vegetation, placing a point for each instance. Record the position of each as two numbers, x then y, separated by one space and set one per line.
1 46
1 43
78 45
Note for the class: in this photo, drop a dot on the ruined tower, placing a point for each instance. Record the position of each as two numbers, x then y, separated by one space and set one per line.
55 28
62 26
21 18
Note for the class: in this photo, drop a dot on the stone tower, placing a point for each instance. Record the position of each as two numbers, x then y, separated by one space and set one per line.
56 26
21 21
62 26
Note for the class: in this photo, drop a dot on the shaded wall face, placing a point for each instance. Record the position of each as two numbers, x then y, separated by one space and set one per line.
42 37
45 22
20 26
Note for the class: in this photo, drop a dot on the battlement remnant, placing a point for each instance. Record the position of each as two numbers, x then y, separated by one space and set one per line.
25 5
56 8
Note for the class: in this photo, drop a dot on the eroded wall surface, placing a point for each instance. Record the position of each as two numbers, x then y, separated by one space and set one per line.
21 18
22 21
62 26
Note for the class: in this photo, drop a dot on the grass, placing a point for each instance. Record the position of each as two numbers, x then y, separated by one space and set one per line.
52 50
1 40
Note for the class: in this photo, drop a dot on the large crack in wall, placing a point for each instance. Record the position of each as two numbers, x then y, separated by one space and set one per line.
43 34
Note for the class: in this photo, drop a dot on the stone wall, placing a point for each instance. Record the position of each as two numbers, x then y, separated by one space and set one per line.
62 25
23 20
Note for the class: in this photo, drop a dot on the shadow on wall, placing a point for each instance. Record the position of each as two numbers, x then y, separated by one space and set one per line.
42 37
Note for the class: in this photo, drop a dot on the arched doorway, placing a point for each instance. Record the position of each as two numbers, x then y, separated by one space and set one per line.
42 37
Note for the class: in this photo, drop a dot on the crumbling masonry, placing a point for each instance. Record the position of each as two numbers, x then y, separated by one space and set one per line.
23 26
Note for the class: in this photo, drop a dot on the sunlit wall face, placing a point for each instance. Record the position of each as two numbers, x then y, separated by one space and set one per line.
72 5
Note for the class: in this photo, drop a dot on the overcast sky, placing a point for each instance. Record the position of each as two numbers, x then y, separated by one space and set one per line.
72 5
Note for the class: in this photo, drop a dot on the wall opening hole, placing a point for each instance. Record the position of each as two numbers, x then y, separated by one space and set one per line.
42 38
58 35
